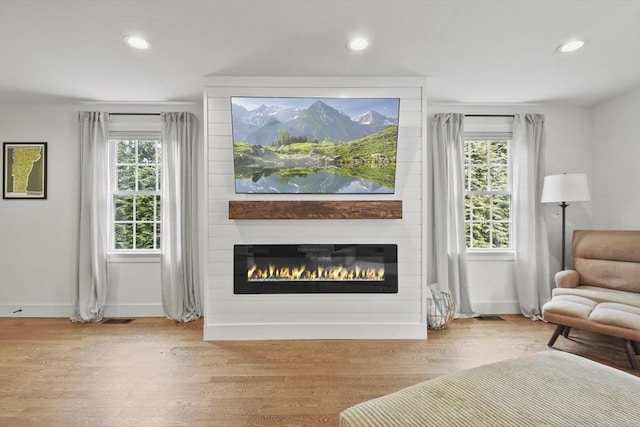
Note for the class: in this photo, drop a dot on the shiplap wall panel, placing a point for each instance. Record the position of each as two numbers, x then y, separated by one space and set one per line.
406 293
230 316
319 318
224 257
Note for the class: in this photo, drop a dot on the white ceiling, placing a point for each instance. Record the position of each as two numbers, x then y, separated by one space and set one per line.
480 51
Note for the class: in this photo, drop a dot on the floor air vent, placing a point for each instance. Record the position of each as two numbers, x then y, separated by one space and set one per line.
489 317
117 321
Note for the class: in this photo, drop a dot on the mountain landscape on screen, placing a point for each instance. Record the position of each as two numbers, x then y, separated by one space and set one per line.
315 145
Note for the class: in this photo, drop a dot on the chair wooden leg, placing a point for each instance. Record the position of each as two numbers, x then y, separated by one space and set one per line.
559 330
631 354
636 346
565 332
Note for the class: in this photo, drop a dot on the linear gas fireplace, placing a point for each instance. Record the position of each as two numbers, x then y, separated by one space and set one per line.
315 268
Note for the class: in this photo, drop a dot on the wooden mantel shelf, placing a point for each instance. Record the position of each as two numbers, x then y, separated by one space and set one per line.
315 209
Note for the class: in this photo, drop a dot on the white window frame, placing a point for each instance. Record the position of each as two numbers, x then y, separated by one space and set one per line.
114 137
500 134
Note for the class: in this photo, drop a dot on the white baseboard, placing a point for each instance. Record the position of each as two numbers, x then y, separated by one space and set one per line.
36 310
66 310
225 332
496 307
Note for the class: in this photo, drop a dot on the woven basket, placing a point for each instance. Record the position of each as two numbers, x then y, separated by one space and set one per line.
440 311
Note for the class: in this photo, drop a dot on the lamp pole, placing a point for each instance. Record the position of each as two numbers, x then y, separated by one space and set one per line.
563 205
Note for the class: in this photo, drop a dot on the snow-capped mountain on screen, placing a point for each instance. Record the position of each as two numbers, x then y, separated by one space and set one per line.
317 122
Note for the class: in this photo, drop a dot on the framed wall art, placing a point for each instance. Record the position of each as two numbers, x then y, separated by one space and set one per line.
24 172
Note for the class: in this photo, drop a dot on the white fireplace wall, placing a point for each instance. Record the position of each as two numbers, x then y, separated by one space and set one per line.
308 316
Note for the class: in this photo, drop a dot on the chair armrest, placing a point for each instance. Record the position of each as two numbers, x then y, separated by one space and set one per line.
567 279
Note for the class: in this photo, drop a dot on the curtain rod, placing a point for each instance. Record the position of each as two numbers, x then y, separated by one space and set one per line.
134 114
489 115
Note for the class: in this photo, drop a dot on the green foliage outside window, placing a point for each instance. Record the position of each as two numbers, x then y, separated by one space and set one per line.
488 196
136 198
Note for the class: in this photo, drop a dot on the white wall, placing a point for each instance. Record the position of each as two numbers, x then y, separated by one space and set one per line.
492 290
38 238
615 187
400 315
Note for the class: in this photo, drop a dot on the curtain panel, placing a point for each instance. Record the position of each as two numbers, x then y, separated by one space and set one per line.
180 253
450 250
91 283
531 263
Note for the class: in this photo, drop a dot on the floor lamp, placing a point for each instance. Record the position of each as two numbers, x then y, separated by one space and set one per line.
563 188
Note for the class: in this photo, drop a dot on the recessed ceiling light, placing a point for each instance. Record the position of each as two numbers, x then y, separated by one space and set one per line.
137 42
570 46
358 43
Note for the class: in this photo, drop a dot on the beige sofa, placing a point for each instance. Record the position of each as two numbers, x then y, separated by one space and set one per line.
602 292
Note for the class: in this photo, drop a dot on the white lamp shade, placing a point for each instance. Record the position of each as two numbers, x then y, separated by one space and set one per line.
566 187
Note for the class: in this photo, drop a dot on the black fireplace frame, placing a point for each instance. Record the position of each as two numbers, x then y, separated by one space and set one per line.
388 253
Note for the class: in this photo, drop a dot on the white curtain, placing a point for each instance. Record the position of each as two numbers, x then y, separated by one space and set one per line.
531 267
449 250
92 241
180 266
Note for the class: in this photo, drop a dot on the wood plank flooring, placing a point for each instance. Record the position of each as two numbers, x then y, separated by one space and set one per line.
155 372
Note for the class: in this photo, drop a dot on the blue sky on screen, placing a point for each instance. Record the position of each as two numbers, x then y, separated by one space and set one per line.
388 107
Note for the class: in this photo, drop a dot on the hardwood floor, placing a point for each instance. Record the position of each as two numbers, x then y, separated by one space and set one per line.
155 372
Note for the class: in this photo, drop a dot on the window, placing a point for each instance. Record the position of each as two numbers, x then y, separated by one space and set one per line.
488 193
135 194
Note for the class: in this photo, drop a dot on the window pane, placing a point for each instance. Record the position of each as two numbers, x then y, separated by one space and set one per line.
501 208
467 227
467 208
136 216
126 178
498 178
147 151
147 178
478 178
123 208
478 152
480 235
126 152
124 236
145 208
498 152
500 234
144 236
487 216
480 209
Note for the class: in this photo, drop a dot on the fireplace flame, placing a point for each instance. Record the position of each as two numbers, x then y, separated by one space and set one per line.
251 270
273 273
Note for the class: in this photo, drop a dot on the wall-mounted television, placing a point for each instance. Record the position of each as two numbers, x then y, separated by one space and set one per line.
315 145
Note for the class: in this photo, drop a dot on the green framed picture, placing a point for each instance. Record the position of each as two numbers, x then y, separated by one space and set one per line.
24 174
